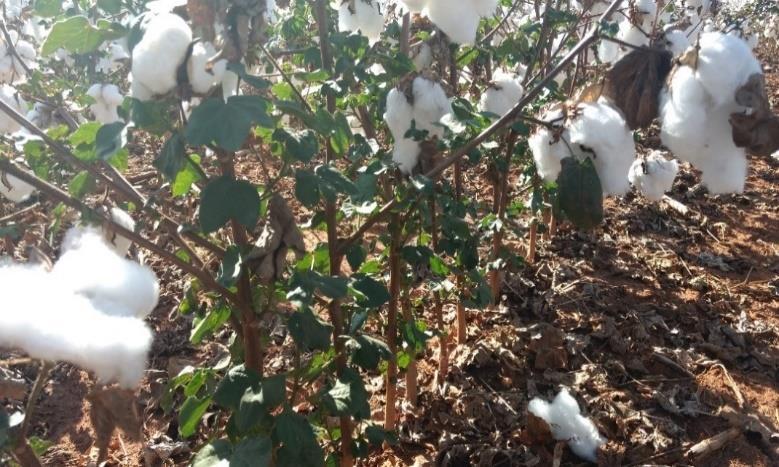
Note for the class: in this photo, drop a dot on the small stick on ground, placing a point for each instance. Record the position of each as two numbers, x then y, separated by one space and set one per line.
710 445
676 205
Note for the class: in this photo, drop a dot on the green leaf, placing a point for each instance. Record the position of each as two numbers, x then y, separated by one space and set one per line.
331 286
84 135
377 435
172 157
374 293
300 146
580 193
332 182
191 412
368 352
110 139
47 8
306 188
348 396
341 134
232 387
252 452
355 256
81 185
299 446
227 124
258 400
151 116
186 177
225 198
308 331
230 267
254 81
213 320
77 35
214 454
110 6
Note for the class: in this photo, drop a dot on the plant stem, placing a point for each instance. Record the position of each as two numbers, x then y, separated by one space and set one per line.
392 323
438 308
531 249
501 202
411 370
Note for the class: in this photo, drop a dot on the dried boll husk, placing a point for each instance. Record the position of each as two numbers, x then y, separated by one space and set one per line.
280 234
757 130
634 84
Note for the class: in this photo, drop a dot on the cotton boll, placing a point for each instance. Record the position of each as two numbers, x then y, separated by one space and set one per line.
160 52
107 100
683 113
90 267
120 244
676 42
13 99
547 151
608 51
365 18
725 174
13 189
398 114
139 91
430 104
601 128
459 23
229 84
725 63
414 6
653 175
200 78
116 55
567 424
503 93
406 155
423 57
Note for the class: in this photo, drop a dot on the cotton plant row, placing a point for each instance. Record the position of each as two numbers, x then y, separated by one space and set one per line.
87 310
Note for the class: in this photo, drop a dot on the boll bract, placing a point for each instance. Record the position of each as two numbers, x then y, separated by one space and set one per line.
502 94
653 175
567 424
107 98
13 189
361 15
157 57
13 99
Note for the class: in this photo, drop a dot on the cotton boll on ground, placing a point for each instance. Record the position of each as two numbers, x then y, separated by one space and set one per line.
503 93
50 322
162 49
201 78
725 63
13 99
365 17
567 424
653 176
13 189
89 266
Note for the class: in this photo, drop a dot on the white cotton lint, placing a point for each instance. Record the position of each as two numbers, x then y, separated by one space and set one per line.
9 95
459 22
107 98
163 48
365 17
567 424
430 104
120 244
725 63
201 77
49 322
653 175
15 190
502 94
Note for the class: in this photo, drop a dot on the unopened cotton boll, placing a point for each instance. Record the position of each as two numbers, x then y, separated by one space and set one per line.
725 63
567 424
89 266
49 322
600 127
653 175
365 17
13 99
163 48
13 189
201 78
503 93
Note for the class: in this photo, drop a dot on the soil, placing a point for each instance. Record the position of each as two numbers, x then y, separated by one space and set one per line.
658 322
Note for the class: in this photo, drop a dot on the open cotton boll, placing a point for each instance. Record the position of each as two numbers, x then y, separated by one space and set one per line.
49 322
366 17
140 92
430 104
229 84
13 99
423 57
200 77
676 42
653 175
683 114
160 52
459 22
13 189
89 266
398 116
414 6
547 153
725 63
600 127
503 93
567 424
406 155
107 100
120 244
116 54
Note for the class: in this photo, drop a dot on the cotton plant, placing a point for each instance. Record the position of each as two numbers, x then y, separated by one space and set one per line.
460 21
696 108
364 16
653 175
116 54
566 422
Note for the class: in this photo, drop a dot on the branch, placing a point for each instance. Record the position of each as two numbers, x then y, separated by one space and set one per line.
12 47
504 121
287 79
59 195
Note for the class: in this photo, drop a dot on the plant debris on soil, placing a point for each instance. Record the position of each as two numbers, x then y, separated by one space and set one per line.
663 323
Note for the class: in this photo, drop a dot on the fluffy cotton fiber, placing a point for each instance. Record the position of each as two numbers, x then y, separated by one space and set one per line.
11 69
653 175
50 322
365 16
120 244
459 22
201 78
547 151
503 93
158 55
14 189
567 424
719 50
13 99
90 267
107 98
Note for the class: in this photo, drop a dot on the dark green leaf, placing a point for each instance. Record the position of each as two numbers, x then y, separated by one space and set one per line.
225 198
378 436
355 256
191 412
368 352
230 267
110 139
233 386
151 116
374 293
306 188
213 320
309 332
300 146
580 193
227 124
172 158
348 396
252 452
258 400
299 446
214 454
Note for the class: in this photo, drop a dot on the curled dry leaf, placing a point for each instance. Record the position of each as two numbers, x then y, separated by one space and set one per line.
280 234
634 84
